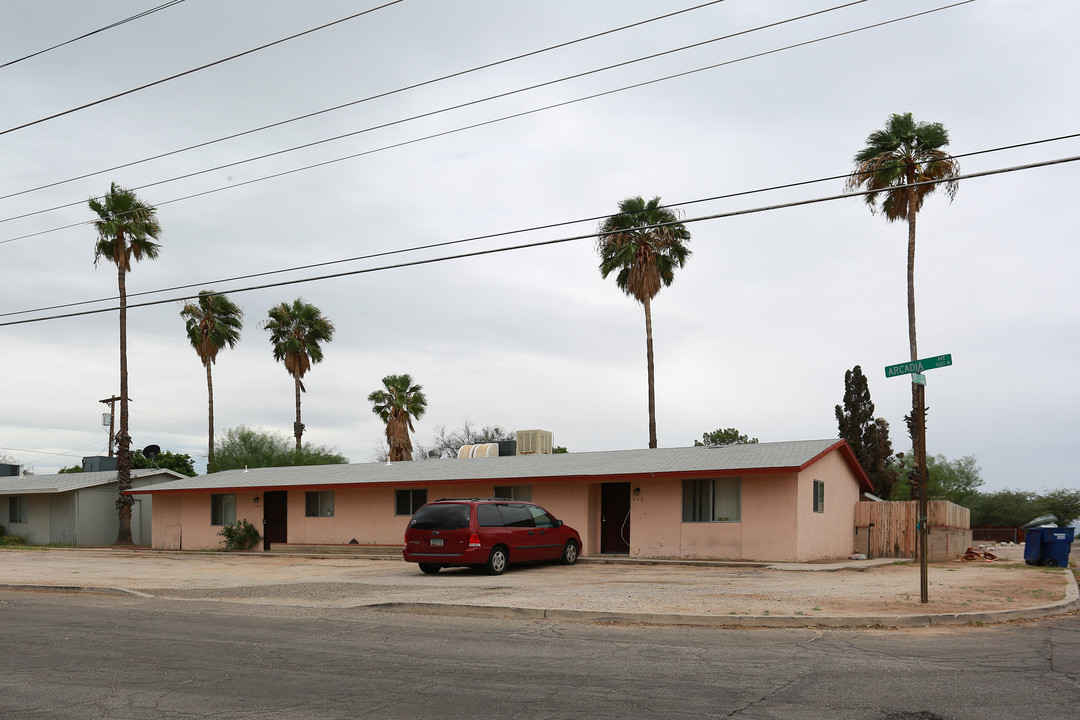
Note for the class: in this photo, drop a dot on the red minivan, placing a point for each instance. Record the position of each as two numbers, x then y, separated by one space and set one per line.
486 533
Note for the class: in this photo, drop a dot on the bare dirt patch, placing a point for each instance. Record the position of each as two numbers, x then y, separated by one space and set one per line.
890 589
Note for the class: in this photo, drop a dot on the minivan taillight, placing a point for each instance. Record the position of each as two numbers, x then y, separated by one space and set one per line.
474 540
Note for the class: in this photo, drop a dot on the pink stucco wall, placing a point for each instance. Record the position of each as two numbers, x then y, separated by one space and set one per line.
827 534
777 521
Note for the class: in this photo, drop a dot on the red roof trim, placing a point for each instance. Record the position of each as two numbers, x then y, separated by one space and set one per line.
849 457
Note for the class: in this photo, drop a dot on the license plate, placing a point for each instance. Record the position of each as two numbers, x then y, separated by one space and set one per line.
436 542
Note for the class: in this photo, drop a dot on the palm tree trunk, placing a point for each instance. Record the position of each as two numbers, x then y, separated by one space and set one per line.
210 402
652 385
298 427
123 439
918 396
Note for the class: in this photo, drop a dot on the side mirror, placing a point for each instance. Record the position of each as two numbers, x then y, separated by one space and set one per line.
558 523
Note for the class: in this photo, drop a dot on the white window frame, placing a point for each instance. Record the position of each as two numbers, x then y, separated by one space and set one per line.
514 492
319 503
226 508
414 505
18 513
703 500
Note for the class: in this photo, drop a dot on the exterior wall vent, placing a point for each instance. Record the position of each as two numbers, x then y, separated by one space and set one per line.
534 442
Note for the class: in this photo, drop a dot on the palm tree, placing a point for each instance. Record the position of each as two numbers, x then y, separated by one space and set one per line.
126 228
296 332
213 323
397 405
645 243
895 162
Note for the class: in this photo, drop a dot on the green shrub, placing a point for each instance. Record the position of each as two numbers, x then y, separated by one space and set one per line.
12 540
240 535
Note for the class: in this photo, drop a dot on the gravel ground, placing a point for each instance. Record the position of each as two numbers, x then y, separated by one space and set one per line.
887 589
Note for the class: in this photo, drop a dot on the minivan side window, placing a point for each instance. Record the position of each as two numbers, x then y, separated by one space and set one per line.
488 516
516 516
541 518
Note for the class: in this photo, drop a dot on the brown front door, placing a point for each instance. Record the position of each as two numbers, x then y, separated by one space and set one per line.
275 517
615 518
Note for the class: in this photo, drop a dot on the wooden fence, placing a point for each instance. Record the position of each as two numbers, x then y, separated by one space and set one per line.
894 533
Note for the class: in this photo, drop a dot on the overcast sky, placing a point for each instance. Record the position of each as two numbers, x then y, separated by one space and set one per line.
755 333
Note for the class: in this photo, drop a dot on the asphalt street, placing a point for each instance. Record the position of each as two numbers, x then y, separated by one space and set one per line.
77 655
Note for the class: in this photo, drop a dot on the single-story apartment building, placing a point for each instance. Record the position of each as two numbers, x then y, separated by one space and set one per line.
75 508
785 501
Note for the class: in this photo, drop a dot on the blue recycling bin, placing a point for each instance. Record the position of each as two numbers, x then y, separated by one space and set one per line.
1048 546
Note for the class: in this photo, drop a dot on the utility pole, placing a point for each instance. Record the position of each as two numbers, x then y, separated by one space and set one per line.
111 402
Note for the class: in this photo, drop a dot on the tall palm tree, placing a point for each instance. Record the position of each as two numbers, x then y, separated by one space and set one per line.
296 332
645 243
398 404
894 160
213 323
127 228
893 163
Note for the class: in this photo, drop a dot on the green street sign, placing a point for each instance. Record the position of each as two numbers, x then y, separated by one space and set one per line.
919 366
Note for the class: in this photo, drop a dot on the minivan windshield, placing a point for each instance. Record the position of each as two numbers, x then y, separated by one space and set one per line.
448 516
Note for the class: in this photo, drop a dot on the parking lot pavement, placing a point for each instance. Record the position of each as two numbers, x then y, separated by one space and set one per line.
840 594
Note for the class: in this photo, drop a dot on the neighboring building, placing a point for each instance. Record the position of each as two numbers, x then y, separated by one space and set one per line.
788 501
75 508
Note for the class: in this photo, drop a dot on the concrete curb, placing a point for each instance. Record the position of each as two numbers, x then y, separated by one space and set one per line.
1070 603
74 589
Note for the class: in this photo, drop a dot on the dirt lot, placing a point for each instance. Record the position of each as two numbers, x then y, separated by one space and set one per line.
890 589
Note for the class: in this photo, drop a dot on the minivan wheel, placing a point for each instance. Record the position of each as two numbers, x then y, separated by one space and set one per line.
430 569
497 561
569 553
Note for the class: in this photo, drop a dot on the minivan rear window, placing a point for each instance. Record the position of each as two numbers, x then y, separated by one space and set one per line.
441 517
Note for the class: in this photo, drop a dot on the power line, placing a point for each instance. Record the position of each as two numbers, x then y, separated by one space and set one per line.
110 26
366 99
477 124
556 241
195 70
450 108
505 233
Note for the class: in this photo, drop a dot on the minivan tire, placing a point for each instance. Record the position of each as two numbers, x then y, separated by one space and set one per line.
497 561
569 553
429 569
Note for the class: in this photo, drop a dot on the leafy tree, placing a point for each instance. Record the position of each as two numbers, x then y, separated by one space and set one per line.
724 436
126 229
643 244
1064 504
448 441
957 480
72 469
1004 508
894 159
398 404
212 323
559 450
297 332
868 436
243 447
168 460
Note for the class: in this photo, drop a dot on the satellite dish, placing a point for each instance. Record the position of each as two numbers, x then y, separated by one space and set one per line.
151 451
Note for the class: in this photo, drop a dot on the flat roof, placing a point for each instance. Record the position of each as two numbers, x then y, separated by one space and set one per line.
685 462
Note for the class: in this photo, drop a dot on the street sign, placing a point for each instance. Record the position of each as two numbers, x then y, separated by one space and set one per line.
918 366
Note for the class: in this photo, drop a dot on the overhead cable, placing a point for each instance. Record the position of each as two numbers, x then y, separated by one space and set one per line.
556 241
110 26
472 126
362 100
195 70
505 233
